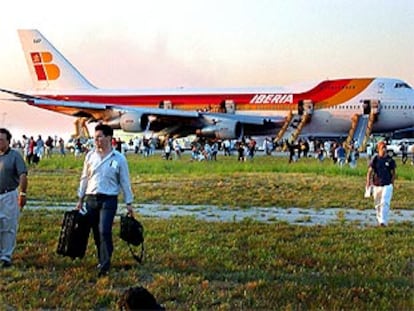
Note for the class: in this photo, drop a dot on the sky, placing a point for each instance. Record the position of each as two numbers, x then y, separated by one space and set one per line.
204 43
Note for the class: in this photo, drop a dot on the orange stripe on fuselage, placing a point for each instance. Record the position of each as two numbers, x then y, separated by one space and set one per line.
334 92
345 92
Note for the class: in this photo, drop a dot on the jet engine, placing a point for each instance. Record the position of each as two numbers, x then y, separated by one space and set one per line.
223 129
133 122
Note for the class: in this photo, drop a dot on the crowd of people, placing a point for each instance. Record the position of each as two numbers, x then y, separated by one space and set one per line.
35 148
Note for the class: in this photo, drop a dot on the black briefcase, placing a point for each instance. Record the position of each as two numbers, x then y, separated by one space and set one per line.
74 234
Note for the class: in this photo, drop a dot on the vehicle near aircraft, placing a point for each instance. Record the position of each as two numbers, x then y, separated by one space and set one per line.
353 107
395 147
400 138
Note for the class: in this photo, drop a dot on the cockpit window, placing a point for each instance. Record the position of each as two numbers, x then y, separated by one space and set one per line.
402 85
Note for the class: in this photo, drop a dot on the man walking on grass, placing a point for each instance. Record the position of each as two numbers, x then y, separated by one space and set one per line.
381 175
105 173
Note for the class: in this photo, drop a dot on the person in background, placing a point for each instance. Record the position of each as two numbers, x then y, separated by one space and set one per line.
404 152
61 146
26 153
49 144
40 147
340 154
13 174
105 173
381 175
353 157
226 147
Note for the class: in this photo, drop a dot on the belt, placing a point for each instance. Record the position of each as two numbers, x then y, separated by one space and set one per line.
6 190
102 196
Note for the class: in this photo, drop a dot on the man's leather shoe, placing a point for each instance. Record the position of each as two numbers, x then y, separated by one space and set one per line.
103 273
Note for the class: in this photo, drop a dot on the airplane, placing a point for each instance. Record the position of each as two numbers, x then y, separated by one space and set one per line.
353 107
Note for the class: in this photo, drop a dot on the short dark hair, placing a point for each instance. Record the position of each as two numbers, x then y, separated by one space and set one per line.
106 129
7 132
138 298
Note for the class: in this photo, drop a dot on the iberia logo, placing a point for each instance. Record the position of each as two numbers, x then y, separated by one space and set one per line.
44 68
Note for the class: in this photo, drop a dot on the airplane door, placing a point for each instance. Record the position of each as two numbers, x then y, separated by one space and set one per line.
230 106
165 104
300 108
308 106
369 105
366 106
305 106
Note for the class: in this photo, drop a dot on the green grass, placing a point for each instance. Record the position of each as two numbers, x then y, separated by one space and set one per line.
196 265
266 181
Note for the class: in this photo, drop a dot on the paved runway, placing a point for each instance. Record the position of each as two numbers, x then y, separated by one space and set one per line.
293 215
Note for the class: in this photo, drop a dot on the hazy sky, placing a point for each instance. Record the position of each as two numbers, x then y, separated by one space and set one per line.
212 43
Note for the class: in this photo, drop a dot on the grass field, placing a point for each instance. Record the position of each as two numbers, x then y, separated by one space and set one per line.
195 265
265 181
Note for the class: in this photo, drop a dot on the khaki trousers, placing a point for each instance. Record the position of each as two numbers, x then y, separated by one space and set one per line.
9 218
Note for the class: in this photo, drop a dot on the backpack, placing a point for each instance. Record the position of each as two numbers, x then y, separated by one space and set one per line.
132 232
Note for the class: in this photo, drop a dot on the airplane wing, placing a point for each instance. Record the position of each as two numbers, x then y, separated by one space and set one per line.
20 96
173 122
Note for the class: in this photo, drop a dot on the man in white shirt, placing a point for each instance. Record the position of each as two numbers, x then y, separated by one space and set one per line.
105 173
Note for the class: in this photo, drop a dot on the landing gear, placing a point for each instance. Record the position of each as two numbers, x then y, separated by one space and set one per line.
81 129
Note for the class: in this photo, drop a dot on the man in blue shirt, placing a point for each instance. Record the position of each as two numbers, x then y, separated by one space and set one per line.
381 176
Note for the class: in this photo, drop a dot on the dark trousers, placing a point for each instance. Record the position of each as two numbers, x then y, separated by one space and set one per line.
101 211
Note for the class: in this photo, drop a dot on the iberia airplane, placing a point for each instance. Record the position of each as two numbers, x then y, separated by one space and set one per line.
223 113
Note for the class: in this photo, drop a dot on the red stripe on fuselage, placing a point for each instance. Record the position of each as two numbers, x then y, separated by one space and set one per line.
342 89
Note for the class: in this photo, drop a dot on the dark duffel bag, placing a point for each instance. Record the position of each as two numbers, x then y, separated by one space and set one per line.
74 234
132 232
